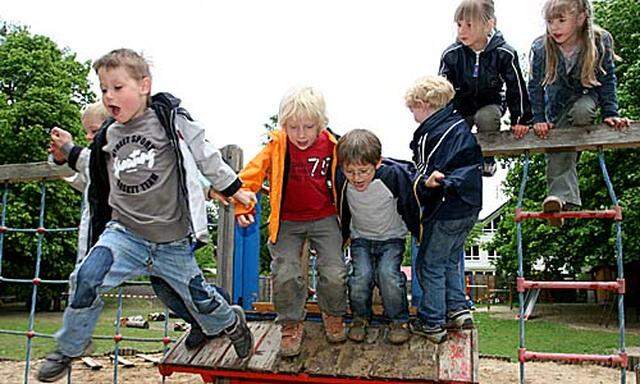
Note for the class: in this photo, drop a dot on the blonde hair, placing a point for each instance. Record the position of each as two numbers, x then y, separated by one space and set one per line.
436 91
475 10
303 102
133 62
97 110
589 36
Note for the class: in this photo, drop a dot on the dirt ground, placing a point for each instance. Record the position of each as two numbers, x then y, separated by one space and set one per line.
491 371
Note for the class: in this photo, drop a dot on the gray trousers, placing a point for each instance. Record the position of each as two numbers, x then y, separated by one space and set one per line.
486 118
562 176
289 284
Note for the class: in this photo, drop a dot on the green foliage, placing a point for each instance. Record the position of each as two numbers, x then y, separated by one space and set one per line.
41 86
583 244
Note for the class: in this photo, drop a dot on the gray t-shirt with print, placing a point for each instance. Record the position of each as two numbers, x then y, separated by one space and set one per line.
143 176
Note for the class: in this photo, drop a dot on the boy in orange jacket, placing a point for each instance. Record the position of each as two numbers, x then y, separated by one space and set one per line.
299 163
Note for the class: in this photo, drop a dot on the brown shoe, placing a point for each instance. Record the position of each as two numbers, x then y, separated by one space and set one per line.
550 205
333 328
291 338
398 333
358 330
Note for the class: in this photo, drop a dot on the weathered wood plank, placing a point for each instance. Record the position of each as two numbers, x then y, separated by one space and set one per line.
266 350
22 173
122 361
231 360
456 357
211 354
567 139
151 359
91 363
179 354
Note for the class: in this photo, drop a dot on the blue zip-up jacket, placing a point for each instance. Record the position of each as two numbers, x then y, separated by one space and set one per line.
552 100
404 182
478 78
444 143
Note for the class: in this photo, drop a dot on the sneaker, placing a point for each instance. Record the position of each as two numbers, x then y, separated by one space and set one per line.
195 339
398 333
291 338
358 330
461 319
489 167
550 205
240 334
54 367
333 328
435 334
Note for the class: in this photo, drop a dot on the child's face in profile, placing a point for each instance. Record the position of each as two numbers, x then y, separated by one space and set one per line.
124 97
302 131
420 112
91 124
360 175
473 33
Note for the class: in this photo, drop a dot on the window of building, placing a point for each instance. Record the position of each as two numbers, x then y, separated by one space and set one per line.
493 255
472 254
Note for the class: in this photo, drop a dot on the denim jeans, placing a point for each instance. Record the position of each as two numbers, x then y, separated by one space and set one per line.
438 271
378 262
120 255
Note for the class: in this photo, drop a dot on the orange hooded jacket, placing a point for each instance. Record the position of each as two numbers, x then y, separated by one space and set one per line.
270 163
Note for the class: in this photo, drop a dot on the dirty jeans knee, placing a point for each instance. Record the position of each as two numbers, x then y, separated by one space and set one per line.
332 289
360 281
90 276
583 111
392 281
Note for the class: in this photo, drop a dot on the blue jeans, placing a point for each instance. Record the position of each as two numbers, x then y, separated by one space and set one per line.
438 270
378 262
120 255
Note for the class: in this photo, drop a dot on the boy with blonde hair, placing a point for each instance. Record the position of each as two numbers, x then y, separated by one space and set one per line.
146 209
298 162
448 155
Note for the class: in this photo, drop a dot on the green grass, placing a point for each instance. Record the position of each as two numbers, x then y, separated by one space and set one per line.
14 346
500 337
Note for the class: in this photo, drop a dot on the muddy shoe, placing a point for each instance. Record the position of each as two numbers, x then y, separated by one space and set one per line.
195 339
435 334
291 338
54 367
358 330
489 167
461 319
240 334
398 333
333 328
550 205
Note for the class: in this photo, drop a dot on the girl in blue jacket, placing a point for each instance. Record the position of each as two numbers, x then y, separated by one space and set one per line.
572 74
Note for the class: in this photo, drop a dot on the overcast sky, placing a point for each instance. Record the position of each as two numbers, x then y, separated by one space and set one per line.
231 61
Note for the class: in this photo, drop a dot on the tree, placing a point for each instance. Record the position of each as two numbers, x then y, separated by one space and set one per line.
581 244
41 86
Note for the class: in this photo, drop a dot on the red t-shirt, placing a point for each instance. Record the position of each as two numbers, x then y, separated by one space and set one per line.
306 196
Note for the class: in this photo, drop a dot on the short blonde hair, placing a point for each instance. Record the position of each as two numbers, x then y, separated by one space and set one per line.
303 102
133 62
96 110
436 91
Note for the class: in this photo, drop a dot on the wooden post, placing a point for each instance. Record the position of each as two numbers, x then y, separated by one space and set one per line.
232 155
39 171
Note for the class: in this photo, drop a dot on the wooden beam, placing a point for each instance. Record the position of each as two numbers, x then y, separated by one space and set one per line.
91 363
39 171
560 140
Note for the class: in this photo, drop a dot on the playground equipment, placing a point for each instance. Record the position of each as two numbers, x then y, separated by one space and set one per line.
572 139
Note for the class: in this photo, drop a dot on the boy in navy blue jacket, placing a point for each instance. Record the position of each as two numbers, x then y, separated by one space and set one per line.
447 154
377 207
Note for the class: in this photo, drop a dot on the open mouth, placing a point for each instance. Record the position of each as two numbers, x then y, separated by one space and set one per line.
114 110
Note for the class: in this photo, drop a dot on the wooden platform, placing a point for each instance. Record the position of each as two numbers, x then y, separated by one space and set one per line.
375 361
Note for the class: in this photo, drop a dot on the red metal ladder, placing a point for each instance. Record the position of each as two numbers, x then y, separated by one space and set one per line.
618 286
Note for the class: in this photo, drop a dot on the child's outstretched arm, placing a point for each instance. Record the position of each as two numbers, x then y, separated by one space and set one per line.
516 94
607 89
536 92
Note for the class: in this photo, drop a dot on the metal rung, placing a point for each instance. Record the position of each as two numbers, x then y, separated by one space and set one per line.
614 286
615 214
620 359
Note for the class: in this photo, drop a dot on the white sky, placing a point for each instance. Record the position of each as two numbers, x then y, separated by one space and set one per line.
231 61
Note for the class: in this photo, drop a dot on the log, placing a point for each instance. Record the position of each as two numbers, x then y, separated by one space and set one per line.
569 139
39 171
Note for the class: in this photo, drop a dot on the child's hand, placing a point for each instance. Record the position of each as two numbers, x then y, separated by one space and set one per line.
434 180
217 196
246 198
60 137
245 220
542 129
58 156
618 123
519 131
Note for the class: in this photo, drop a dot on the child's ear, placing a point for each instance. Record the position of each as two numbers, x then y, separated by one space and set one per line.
145 85
582 17
379 164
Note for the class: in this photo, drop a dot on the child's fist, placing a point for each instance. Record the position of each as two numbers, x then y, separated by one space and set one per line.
246 198
60 137
245 220
542 129
434 179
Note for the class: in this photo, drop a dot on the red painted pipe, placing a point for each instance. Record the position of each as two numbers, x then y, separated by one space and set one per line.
614 286
614 360
615 214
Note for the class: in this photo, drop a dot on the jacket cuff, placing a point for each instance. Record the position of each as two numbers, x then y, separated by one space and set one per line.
233 188
72 157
